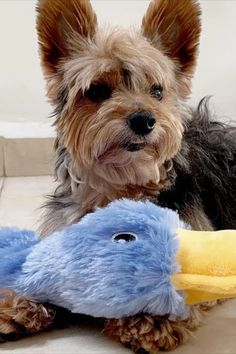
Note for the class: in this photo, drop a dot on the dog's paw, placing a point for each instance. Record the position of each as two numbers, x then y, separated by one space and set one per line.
150 334
21 316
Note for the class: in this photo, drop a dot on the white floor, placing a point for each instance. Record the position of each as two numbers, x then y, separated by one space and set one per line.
20 199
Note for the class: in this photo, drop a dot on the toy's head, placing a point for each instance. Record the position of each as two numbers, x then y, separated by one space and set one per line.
115 262
117 92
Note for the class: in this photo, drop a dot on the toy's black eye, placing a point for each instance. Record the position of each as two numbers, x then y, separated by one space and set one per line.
157 91
123 237
98 92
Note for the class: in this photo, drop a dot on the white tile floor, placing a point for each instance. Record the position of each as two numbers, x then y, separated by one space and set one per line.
20 199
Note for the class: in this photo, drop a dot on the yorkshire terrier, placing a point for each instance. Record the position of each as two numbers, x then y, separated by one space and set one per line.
124 130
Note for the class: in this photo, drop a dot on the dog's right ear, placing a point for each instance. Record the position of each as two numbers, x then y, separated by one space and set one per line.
174 27
58 22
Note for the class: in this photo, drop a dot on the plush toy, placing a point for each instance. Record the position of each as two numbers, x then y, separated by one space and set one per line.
127 258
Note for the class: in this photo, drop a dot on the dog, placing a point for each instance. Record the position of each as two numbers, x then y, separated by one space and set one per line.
124 130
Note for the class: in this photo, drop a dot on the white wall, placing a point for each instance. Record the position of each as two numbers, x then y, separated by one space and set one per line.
21 85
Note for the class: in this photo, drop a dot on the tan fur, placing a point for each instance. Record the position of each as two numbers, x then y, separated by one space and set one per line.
83 124
21 315
154 333
102 55
195 216
76 53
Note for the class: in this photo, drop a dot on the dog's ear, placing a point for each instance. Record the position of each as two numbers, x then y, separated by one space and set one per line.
174 26
58 22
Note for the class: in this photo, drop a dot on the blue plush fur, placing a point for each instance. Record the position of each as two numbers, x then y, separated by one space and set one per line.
84 269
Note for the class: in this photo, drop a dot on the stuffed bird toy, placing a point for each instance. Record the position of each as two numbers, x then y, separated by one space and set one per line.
126 258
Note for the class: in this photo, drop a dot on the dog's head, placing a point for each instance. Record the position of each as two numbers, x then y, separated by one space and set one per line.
117 92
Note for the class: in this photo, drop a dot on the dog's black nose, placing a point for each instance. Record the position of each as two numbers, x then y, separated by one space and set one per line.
142 123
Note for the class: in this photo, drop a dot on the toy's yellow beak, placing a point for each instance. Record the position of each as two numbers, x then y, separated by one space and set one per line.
208 265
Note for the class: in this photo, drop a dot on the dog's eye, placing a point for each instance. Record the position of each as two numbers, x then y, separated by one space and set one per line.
123 237
157 91
98 92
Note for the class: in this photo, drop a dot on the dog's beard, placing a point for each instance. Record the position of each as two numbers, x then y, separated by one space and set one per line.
136 164
121 167
127 159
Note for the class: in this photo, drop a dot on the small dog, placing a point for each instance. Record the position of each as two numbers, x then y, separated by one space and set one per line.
124 130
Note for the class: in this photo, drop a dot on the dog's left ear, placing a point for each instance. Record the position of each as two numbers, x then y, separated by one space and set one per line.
174 27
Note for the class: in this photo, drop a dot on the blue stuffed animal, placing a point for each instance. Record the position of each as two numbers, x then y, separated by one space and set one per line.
115 262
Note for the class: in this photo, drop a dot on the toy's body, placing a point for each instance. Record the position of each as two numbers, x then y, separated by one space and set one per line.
83 268
119 261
